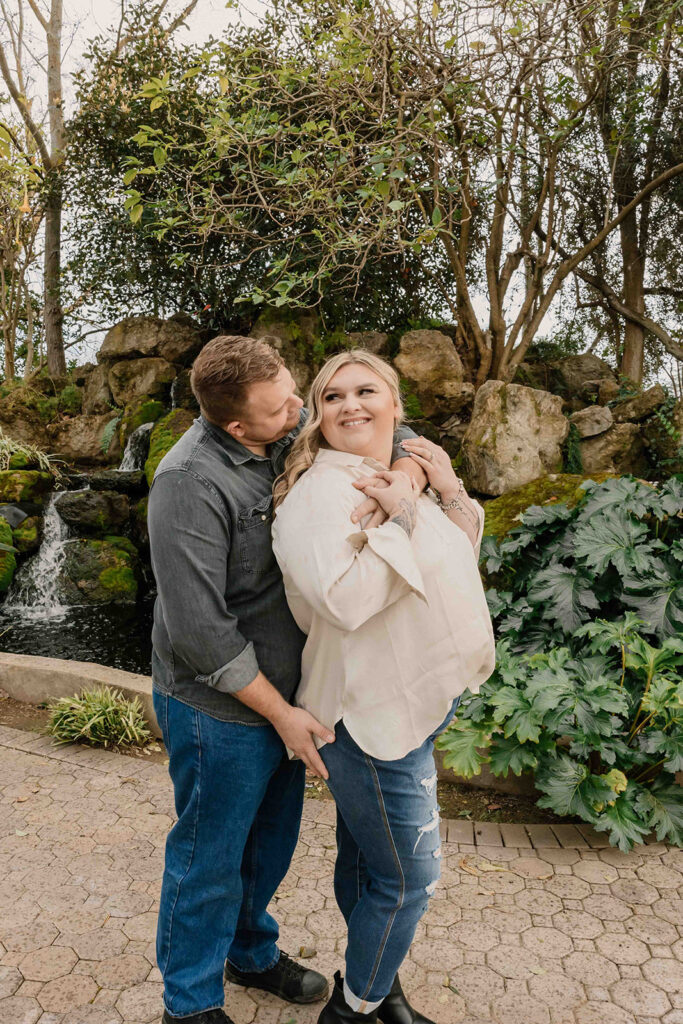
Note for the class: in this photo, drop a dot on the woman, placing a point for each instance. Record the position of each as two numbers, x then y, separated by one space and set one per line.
397 627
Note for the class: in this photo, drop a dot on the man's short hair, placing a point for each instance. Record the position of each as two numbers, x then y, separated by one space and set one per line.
224 370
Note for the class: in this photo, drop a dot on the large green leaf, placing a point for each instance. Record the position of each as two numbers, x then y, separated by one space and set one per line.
671 497
614 538
570 788
624 493
459 744
623 821
666 745
564 593
657 599
662 807
514 709
542 516
507 754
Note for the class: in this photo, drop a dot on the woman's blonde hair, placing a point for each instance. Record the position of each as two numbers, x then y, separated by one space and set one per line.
308 442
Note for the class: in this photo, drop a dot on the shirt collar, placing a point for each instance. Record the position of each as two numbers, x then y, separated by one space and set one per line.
346 459
238 453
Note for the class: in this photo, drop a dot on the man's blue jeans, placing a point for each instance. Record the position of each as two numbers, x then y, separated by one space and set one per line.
388 856
238 800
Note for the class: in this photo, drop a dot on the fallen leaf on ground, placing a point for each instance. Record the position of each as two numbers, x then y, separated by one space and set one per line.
306 952
466 866
487 865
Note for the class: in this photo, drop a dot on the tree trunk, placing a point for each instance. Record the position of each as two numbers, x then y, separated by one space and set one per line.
633 264
52 309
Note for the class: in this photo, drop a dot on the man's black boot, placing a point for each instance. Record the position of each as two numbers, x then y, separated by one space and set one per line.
338 1011
395 1008
287 979
205 1017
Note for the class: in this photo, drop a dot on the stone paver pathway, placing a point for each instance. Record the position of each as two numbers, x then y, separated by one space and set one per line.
513 936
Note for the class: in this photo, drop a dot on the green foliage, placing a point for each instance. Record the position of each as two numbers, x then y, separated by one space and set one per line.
571 451
8 562
70 400
100 717
108 434
588 690
20 455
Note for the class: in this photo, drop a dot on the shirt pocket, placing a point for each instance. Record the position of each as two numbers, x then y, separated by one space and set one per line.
255 541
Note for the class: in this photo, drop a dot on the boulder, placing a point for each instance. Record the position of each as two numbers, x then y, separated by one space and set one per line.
22 422
130 379
433 370
12 514
8 561
514 436
97 397
85 440
606 390
139 521
176 340
98 572
502 513
28 535
594 419
372 341
619 450
139 411
579 376
25 485
182 395
296 336
640 406
93 512
132 483
665 446
165 433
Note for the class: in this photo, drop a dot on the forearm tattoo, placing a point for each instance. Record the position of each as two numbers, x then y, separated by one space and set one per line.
405 516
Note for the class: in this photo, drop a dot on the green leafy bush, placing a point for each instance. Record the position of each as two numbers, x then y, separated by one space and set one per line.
19 455
100 717
579 695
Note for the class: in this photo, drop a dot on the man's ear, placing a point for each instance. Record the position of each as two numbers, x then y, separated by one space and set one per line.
235 429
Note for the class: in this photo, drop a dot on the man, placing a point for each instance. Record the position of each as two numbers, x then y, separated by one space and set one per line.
225 663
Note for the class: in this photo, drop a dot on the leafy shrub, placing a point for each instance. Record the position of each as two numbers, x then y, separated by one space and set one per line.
20 455
579 695
100 717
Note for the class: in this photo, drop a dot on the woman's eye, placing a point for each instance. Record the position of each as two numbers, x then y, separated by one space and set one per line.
367 391
329 397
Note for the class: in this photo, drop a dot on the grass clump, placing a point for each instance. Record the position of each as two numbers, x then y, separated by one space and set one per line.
100 717
20 455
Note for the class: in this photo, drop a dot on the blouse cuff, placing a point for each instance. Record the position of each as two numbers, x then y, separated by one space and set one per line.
480 531
392 544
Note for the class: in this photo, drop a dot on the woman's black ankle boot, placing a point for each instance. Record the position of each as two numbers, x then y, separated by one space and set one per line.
338 1011
395 1008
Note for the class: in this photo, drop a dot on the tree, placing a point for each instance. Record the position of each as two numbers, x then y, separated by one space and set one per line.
340 137
49 149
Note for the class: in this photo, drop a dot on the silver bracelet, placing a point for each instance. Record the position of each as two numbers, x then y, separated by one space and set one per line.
455 503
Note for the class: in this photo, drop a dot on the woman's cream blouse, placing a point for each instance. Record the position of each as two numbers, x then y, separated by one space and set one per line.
397 626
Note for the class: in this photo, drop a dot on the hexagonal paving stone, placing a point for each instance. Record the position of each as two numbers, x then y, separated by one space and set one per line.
516 1008
640 997
473 935
651 929
557 990
33 936
607 908
531 867
578 924
438 1003
513 961
623 949
477 985
597 872
19 1010
66 993
48 963
99 945
668 974
536 901
141 1003
670 910
660 876
568 887
619 859
632 890
142 927
591 969
10 980
602 1013
506 919
122 971
547 942
436 954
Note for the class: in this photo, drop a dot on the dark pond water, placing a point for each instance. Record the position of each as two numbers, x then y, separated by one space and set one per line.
117 637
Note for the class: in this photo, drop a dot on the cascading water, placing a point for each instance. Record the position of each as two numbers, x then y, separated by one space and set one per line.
34 593
137 446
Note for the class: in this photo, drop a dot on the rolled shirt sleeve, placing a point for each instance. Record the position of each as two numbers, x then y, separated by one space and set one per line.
190 541
346 578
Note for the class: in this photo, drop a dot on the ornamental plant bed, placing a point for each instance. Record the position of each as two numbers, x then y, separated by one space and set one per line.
587 605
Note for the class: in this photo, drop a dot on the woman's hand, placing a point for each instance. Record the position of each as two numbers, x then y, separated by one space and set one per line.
436 463
396 494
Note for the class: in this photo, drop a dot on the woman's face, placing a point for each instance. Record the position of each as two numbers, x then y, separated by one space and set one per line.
359 413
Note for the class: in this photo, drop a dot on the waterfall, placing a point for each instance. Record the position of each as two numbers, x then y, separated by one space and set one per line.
137 446
174 393
34 593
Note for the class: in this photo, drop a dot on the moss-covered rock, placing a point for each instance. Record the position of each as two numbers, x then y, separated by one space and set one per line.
93 512
70 400
24 485
164 435
124 543
502 513
99 572
27 535
139 520
141 410
8 561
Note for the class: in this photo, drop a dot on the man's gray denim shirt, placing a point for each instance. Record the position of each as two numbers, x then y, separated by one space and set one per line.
221 614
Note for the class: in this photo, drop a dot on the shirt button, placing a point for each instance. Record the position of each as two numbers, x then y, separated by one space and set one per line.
263 518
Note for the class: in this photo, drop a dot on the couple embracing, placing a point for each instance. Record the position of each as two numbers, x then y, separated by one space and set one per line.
319 605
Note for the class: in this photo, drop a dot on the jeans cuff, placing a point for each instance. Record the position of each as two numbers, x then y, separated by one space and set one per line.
192 1013
252 970
356 1004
